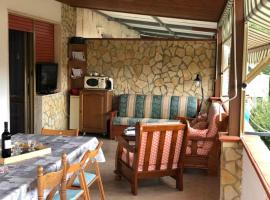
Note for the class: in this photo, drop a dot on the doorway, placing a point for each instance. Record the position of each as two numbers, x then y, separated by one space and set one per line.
21 81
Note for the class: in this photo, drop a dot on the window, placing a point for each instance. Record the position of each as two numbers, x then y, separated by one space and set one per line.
226 25
225 67
257 101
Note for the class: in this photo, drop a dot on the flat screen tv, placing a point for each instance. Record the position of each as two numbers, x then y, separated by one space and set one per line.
46 78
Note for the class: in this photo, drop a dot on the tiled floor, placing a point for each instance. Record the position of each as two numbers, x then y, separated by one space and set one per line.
197 185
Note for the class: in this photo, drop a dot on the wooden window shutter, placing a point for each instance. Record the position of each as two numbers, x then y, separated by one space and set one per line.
20 23
44 44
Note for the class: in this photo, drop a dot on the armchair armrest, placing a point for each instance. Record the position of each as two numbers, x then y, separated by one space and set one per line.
195 140
123 143
113 114
201 138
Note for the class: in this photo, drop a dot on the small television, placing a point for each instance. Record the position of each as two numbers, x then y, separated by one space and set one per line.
46 78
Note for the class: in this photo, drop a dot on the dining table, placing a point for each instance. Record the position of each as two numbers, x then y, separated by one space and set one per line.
18 181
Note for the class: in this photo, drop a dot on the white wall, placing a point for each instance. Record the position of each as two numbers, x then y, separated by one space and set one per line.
252 188
48 10
91 25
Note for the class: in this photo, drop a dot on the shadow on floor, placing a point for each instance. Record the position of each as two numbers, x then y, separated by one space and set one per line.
197 184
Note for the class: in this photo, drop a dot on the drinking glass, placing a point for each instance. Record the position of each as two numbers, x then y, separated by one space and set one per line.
16 148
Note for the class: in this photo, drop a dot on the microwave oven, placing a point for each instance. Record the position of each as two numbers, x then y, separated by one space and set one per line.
98 82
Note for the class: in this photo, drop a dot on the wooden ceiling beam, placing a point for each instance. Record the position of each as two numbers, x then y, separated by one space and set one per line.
209 10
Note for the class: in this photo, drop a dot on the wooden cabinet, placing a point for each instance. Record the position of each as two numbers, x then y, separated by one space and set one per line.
94 108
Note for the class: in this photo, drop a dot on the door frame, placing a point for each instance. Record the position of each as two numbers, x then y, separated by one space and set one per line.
29 82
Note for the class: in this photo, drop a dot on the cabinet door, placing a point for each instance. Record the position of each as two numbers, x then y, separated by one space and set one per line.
92 112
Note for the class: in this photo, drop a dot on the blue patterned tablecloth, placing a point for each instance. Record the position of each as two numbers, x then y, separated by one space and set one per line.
19 182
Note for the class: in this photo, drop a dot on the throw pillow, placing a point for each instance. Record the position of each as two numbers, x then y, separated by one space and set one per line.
201 117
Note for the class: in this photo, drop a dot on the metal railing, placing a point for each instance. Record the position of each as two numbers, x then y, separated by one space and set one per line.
264 134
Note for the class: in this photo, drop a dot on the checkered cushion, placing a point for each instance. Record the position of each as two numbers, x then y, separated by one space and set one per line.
205 146
154 151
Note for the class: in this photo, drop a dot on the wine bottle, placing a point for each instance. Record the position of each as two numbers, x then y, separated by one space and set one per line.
6 142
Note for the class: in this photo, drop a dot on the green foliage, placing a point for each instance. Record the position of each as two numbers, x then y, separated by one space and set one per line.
267 141
266 70
260 118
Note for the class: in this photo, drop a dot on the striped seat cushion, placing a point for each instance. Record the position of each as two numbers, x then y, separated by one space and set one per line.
88 176
156 106
131 121
71 195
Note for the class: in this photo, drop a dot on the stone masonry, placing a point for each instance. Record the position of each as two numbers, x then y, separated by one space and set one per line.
231 171
166 67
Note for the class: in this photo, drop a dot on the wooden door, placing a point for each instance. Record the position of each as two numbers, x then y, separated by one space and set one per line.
21 81
17 81
92 112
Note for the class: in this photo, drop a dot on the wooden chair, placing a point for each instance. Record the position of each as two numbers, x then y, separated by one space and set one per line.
72 132
158 151
86 163
204 152
54 179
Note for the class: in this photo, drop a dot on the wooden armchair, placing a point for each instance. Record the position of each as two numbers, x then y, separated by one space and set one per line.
158 151
204 152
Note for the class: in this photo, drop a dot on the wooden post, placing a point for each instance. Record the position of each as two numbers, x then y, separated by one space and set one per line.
218 63
235 105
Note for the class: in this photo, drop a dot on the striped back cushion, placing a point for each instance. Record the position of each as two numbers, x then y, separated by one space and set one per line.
183 106
156 106
127 105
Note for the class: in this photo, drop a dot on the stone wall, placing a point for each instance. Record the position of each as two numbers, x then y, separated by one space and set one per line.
231 171
154 66
55 106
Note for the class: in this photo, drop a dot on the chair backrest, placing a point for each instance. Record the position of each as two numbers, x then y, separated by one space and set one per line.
72 132
159 146
157 106
84 164
89 156
52 181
